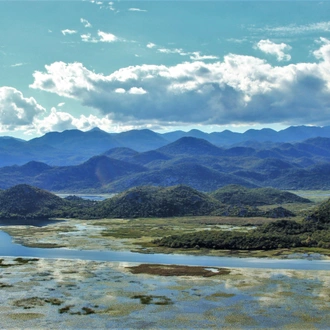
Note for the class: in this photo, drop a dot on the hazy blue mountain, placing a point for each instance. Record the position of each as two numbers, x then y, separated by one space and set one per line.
141 140
121 153
191 146
73 147
92 174
196 176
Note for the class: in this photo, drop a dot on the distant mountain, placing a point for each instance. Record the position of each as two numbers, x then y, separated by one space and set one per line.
92 174
193 175
189 160
121 153
141 140
72 147
315 177
191 146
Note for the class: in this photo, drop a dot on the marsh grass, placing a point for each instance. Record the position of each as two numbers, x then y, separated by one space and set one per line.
154 300
32 302
176 270
18 261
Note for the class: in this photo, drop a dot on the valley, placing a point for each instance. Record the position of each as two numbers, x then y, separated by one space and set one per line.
188 229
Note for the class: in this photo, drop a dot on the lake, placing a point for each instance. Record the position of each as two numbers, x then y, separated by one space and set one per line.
9 249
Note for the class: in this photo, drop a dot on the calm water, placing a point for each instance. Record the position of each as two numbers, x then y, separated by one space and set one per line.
8 248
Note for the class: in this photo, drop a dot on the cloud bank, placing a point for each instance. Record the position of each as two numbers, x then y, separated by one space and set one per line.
237 90
17 111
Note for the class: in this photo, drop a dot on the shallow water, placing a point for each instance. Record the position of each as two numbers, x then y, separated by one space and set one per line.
9 249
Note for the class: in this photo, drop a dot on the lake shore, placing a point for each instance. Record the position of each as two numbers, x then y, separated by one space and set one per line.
125 235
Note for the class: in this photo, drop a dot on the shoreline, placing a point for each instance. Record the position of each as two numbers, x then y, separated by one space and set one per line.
90 235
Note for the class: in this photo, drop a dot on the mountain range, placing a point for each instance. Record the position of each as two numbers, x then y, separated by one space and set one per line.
190 161
72 147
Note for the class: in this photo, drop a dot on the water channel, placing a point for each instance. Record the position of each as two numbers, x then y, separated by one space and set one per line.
10 249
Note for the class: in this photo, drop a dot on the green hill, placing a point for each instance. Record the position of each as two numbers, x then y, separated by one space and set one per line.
157 202
27 201
238 195
321 213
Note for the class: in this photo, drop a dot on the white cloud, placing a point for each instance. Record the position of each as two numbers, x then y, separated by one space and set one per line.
294 29
86 37
172 51
17 111
137 91
120 90
16 65
101 37
85 23
111 6
151 45
196 56
61 104
60 121
137 9
68 31
106 37
237 90
277 50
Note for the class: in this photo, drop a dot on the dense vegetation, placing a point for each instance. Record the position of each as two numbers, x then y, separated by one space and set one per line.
279 234
314 231
158 202
26 201
238 195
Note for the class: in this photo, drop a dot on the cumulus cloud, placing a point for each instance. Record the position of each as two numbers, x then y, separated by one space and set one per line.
16 110
60 121
68 31
85 23
101 37
151 45
237 90
277 50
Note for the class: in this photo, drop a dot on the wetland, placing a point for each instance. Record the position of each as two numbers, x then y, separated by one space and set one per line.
109 273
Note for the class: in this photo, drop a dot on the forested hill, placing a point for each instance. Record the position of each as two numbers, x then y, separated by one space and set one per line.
29 202
238 195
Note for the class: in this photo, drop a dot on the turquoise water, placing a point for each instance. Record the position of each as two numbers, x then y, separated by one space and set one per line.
9 249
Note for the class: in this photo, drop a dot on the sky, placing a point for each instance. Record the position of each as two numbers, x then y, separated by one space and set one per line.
163 65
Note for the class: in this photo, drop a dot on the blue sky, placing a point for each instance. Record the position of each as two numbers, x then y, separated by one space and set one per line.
163 65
